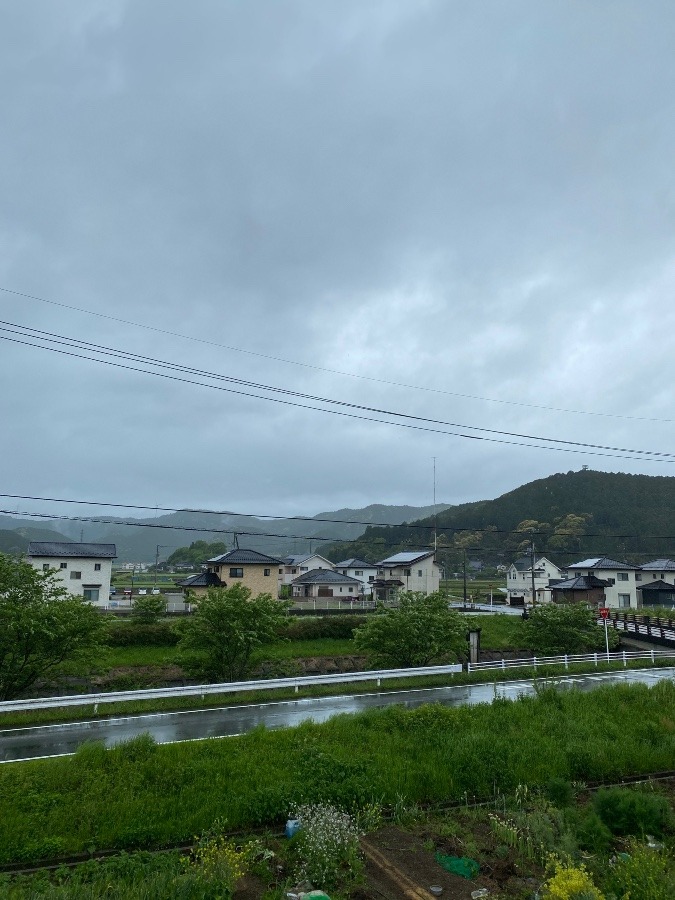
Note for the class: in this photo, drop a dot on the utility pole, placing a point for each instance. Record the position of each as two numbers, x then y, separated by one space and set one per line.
464 571
435 515
534 595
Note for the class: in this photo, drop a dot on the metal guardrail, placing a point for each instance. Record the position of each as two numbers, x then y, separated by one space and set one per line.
202 690
570 659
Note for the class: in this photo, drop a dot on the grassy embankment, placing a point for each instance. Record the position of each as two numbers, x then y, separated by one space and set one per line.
142 795
498 633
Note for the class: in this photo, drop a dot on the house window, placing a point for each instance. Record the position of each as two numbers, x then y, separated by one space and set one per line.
419 573
340 590
91 594
371 578
45 567
624 600
406 572
281 571
294 571
638 576
358 572
63 565
97 567
622 576
75 575
266 571
236 573
303 568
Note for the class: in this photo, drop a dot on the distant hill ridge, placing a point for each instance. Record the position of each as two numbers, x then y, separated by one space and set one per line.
139 544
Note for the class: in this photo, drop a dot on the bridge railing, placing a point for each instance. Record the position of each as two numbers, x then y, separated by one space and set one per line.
570 659
231 687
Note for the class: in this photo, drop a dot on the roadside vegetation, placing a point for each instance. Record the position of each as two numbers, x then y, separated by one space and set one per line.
140 795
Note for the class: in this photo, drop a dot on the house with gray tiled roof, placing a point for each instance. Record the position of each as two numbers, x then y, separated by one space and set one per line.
84 569
622 579
519 580
358 568
299 563
254 570
411 570
326 583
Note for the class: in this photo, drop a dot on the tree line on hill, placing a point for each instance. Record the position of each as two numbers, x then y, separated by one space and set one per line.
568 516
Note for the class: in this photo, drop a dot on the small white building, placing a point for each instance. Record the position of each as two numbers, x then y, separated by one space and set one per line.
415 570
519 581
623 579
364 571
326 583
84 569
296 565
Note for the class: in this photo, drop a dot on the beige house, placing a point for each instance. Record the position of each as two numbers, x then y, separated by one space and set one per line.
254 570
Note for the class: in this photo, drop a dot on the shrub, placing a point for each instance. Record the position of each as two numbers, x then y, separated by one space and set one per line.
129 634
340 627
629 812
642 874
326 845
570 883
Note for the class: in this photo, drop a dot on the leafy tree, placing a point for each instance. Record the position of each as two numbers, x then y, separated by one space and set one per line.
420 631
570 628
149 608
41 626
197 553
228 626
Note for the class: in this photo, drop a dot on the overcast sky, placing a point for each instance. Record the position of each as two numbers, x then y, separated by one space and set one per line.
462 211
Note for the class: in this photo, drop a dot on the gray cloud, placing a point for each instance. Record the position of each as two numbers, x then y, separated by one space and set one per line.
473 198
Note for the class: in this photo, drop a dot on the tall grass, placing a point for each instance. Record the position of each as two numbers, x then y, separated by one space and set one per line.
141 795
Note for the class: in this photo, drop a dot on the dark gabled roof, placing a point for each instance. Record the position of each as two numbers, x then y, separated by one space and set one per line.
72 550
204 579
355 563
324 576
246 557
602 562
387 582
659 565
580 583
658 585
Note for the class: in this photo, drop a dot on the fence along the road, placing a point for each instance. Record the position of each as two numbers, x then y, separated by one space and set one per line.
570 659
643 626
231 687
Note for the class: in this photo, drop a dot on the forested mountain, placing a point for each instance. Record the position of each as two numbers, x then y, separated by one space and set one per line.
569 516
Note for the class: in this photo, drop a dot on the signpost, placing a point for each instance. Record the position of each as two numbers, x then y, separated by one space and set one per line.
604 612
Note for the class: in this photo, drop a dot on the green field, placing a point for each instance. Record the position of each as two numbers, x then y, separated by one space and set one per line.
142 795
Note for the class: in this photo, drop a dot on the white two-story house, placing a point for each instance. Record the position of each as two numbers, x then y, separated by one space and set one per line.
415 570
364 571
623 579
295 565
84 569
519 581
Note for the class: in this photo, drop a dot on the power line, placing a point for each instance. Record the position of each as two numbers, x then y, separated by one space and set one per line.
568 446
216 512
494 551
296 362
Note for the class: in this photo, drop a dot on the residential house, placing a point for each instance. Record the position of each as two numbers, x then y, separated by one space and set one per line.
657 587
326 583
294 565
248 567
358 568
622 579
580 589
519 581
84 569
415 570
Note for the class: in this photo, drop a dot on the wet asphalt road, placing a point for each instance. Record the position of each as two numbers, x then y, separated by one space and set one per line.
55 740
